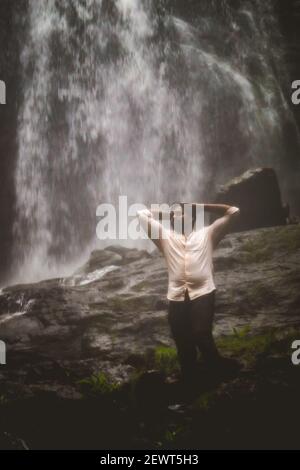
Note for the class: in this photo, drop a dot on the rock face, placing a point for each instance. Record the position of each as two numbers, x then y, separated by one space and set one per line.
263 208
80 372
106 317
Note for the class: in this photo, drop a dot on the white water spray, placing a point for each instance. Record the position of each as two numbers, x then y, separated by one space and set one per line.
113 106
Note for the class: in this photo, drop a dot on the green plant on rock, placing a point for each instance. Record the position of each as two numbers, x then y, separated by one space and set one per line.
246 346
242 333
99 384
165 359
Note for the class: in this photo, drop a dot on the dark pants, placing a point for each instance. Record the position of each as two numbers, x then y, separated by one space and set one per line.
191 324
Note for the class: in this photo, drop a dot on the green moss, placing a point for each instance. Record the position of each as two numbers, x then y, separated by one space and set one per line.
264 245
165 359
246 346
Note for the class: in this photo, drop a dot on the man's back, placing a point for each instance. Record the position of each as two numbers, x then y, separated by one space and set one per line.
188 258
189 262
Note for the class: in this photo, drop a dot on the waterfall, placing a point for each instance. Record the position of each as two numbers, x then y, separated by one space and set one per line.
127 97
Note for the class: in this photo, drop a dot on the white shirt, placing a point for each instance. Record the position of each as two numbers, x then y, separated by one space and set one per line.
188 258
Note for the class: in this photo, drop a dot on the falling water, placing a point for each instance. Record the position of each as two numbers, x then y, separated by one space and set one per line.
123 97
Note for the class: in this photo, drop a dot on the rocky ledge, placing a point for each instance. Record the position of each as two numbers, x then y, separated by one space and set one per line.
103 329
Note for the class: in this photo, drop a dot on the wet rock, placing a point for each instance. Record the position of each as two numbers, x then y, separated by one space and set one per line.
128 255
58 333
100 259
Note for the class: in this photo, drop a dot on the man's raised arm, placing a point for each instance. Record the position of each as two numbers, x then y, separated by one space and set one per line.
152 226
220 227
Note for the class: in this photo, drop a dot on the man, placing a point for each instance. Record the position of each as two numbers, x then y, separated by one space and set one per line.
191 289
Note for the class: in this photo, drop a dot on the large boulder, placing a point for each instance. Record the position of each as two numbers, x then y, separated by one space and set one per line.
256 192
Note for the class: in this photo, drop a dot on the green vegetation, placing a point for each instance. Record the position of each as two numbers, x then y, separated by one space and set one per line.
148 411
244 345
165 359
165 428
205 401
241 344
99 384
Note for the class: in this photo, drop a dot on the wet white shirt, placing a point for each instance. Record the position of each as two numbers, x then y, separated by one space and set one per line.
188 258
